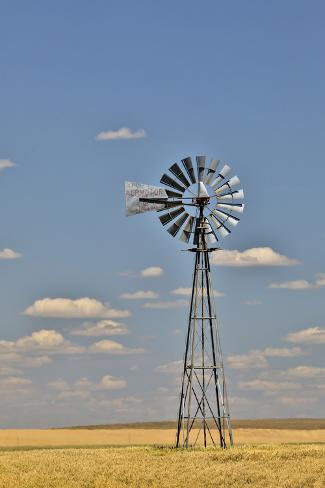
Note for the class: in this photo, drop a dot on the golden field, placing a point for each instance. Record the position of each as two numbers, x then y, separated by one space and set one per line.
255 466
143 436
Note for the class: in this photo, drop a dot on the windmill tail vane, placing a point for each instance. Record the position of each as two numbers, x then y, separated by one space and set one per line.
201 206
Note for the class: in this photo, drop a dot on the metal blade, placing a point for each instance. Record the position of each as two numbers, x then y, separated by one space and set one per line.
211 170
173 194
229 185
187 163
168 217
167 180
221 228
234 195
209 233
232 207
176 226
200 162
176 170
135 191
221 176
187 230
226 217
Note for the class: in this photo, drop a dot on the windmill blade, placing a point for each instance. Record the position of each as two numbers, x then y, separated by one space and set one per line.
209 233
221 176
173 194
211 170
176 170
167 180
229 185
168 217
187 230
134 191
232 207
200 162
176 226
221 228
230 219
232 195
187 163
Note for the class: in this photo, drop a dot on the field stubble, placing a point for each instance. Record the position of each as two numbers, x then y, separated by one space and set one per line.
258 466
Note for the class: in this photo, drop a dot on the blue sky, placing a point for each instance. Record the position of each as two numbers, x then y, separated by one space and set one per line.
239 81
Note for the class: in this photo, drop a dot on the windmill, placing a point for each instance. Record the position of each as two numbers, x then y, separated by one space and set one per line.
200 207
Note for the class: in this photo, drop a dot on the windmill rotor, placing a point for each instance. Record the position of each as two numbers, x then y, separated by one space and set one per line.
200 188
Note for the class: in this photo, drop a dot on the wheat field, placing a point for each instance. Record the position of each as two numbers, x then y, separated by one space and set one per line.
255 466
141 436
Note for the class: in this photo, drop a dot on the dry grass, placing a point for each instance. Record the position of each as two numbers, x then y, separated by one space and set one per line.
282 466
105 437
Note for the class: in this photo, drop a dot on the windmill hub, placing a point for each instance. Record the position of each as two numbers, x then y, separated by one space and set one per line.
200 206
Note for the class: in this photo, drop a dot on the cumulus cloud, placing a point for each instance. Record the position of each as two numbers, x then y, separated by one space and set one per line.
122 133
256 256
7 253
107 382
319 282
312 335
173 367
305 372
140 295
188 291
166 304
102 328
13 381
6 163
267 386
42 340
257 358
79 308
151 272
112 347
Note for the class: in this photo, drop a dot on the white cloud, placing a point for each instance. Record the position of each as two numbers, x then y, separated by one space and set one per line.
151 272
305 372
173 367
110 383
188 291
283 352
112 347
253 359
301 284
312 335
8 371
256 256
166 304
123 133
102 328
6 163
140 295
49 341
257 358
268 386
75 389
13 381
67 308
7 253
